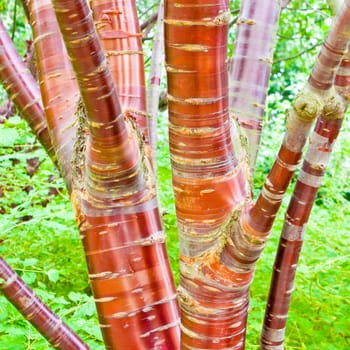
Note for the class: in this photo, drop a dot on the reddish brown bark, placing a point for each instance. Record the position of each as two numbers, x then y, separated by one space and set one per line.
208 182
309 180
118 28
307 106
300 206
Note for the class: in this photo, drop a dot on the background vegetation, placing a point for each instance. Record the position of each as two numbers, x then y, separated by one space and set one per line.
40 240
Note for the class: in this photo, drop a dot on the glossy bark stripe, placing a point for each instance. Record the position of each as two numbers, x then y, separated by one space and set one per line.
124 54
332 50
58 334
208 179
307 106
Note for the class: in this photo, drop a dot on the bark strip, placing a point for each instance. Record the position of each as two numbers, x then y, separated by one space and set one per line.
309 180
58 334
120 35
308 105
252 225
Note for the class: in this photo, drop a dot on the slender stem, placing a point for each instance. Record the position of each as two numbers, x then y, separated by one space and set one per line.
249 233
153 91
314 166
251 68
25 5
58 334
309 180
23 90
149 21
59 89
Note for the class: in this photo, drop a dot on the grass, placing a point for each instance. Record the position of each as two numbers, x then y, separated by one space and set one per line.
40 240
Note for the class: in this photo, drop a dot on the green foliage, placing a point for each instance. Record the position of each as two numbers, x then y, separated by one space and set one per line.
14 19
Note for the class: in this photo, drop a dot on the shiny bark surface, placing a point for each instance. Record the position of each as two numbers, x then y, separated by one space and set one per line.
59 335
307 106
118 27
102 146
115 199
309 180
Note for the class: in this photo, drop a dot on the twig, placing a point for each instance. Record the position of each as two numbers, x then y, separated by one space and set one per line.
150 21
298 54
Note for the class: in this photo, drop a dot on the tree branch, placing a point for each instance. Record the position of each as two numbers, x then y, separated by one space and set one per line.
289 58
58 334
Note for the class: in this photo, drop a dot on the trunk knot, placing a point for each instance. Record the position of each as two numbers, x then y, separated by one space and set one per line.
334 108
307 106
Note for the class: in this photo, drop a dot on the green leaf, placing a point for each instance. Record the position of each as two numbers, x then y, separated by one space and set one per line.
76 297
29 277
3 313
30 262
8 137
87 309
53 275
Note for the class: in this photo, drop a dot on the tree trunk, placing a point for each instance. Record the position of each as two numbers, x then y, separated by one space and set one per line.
115 199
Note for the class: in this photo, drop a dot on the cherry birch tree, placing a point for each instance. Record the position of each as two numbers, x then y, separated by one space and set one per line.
89 110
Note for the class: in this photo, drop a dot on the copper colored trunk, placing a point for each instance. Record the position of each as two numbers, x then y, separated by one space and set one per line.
209 182
309 180
251 68
307 106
